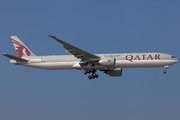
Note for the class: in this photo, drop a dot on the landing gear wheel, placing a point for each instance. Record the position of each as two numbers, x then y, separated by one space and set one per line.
96 76
93 71
164 72
90 77
93 76
165 68
85 72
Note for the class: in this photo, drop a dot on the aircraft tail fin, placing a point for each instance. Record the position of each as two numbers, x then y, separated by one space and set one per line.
21 49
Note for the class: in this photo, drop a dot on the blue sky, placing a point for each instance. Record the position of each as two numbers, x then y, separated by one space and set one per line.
98 27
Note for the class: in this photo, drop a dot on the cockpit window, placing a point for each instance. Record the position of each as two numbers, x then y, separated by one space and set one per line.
173 57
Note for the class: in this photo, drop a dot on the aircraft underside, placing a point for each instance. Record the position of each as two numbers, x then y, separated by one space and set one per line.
91 68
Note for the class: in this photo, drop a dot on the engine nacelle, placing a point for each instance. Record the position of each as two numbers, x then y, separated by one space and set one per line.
115 72
108 62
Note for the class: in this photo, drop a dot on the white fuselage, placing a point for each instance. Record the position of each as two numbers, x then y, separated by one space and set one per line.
123 60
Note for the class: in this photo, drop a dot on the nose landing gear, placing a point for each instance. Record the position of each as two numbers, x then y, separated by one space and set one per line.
165 69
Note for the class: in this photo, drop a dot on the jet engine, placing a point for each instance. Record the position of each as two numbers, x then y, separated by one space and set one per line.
108 62
115 72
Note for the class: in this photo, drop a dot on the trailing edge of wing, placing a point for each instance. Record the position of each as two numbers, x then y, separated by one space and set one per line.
77 52
14 57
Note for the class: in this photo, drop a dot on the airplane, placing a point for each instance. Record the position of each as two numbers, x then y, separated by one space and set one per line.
111 64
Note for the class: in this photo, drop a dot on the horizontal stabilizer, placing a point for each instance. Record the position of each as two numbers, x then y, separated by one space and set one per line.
14 57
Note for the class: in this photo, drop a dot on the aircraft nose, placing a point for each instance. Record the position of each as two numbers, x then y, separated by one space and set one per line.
175 61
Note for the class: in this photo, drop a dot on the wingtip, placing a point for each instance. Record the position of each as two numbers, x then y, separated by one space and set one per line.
51 36
4 54
13 36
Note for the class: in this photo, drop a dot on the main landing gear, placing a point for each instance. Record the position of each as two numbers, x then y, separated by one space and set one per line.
165 69
93 75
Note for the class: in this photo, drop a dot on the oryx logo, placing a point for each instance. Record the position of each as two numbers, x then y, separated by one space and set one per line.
21 49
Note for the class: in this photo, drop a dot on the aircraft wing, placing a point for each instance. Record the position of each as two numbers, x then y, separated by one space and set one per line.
78 53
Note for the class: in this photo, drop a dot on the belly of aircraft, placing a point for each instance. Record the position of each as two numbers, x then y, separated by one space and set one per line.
119 64
53 65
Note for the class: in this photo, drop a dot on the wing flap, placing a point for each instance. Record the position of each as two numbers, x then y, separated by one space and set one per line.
14 57
77 52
